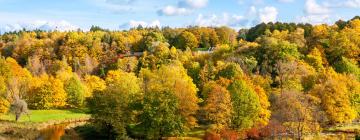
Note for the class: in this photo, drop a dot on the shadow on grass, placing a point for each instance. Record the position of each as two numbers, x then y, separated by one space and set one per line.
79 110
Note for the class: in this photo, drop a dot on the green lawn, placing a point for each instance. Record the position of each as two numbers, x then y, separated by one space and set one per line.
47 115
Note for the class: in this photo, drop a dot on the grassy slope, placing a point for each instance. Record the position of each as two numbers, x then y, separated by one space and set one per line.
47 115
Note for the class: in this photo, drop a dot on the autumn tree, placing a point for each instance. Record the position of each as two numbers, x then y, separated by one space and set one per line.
186 40
226 35
298 112
46 92
4 103
92 84
128 64
345 43
334 96
218 107
168 81
112 107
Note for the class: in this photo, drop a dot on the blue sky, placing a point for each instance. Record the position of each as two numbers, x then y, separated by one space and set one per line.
123 14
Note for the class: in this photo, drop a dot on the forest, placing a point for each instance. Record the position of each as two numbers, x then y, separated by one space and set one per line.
153 83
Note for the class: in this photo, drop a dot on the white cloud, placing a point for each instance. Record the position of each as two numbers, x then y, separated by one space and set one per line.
193 3
315 19
268 14
134 24
342 4
173 11
234 20
251 17
352 3
214 20
312 7
316 13
184 7
41 25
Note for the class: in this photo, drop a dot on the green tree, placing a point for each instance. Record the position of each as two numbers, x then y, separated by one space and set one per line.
112 108
347 66
75 91
245 103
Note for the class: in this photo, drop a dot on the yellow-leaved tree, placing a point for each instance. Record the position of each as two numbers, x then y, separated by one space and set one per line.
46 92
334 95
93 83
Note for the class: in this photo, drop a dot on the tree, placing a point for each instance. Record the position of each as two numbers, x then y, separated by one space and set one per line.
245 103
347 66
226 35
112 108
4 103
264 113
207 37
149 39
186 40
273 50
160 115
344 43
18 108
46 92
298 112
314 58
231 71
128 64
93 84
169 81
334 96
218 106
75 91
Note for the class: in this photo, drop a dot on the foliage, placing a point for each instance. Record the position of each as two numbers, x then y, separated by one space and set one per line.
218 106
4 103
46 92
75 91
186 40
172 79
93 84
334 96
151 83
245 103
111 108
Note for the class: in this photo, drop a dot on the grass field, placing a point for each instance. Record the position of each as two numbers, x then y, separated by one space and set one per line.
47 115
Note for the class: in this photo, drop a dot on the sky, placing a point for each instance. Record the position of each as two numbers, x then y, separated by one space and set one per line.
66 15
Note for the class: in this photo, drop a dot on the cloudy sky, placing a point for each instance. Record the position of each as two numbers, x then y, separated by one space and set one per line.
123 14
